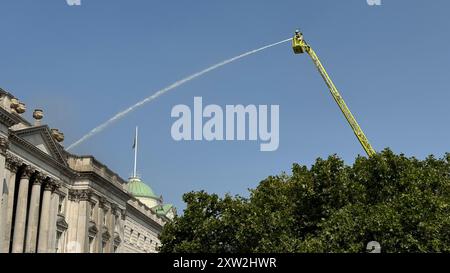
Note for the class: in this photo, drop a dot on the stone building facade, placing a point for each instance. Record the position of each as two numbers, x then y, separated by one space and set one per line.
54 201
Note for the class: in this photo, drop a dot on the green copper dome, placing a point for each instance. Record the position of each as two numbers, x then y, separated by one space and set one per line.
139 189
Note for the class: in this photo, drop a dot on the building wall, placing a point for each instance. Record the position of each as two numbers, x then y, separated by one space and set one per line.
139 238
53 201
141 228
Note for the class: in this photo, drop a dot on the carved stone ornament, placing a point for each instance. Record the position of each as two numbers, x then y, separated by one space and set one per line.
12 163
105 234
50 184
114 209
85 195
61 224
4 145
27 172
80 195
103 203
92 229
39 178
117 239
73 195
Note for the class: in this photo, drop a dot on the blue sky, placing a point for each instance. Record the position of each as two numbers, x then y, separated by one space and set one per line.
83 64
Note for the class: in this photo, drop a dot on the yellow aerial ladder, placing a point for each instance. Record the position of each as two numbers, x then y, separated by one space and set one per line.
300 46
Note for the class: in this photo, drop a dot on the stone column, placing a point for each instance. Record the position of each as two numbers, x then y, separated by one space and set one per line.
101 213
21 211
95 219
92 232
4 244
33 214
12 165
83 219
112 227
3 190
45 216
53 218
108 215
72 218
121 227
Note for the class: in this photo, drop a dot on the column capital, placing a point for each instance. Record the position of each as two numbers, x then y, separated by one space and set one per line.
48 186
56 185
51 184
27 172
85 195
39 178
114 209
92 201
80 195
12 163
4 145
103 203
72 196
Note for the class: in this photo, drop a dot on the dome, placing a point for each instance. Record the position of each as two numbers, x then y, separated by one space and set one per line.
139 189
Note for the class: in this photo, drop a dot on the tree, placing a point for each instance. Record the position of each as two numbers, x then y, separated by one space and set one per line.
403 203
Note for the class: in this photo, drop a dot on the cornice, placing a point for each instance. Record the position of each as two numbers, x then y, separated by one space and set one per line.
94 177
9 119
96 164
131 209
44 130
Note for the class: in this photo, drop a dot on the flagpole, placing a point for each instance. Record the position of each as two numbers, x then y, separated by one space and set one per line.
135 153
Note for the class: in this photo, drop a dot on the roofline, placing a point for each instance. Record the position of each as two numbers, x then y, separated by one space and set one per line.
20 142
6 93
97 162
57 149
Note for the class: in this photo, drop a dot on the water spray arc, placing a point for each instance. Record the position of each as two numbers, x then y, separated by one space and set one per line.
160 92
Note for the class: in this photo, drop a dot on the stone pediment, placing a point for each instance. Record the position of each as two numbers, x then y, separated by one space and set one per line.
41 137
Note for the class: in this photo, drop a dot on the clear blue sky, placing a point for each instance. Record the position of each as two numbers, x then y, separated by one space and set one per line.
83 64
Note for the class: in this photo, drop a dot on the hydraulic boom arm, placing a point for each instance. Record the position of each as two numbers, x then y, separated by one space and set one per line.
300 46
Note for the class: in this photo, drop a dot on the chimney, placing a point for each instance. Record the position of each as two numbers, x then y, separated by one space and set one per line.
38 114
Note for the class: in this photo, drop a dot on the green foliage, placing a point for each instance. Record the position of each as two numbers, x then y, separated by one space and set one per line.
403 203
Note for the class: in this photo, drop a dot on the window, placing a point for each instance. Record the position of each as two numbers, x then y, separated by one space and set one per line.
105 217
138 239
